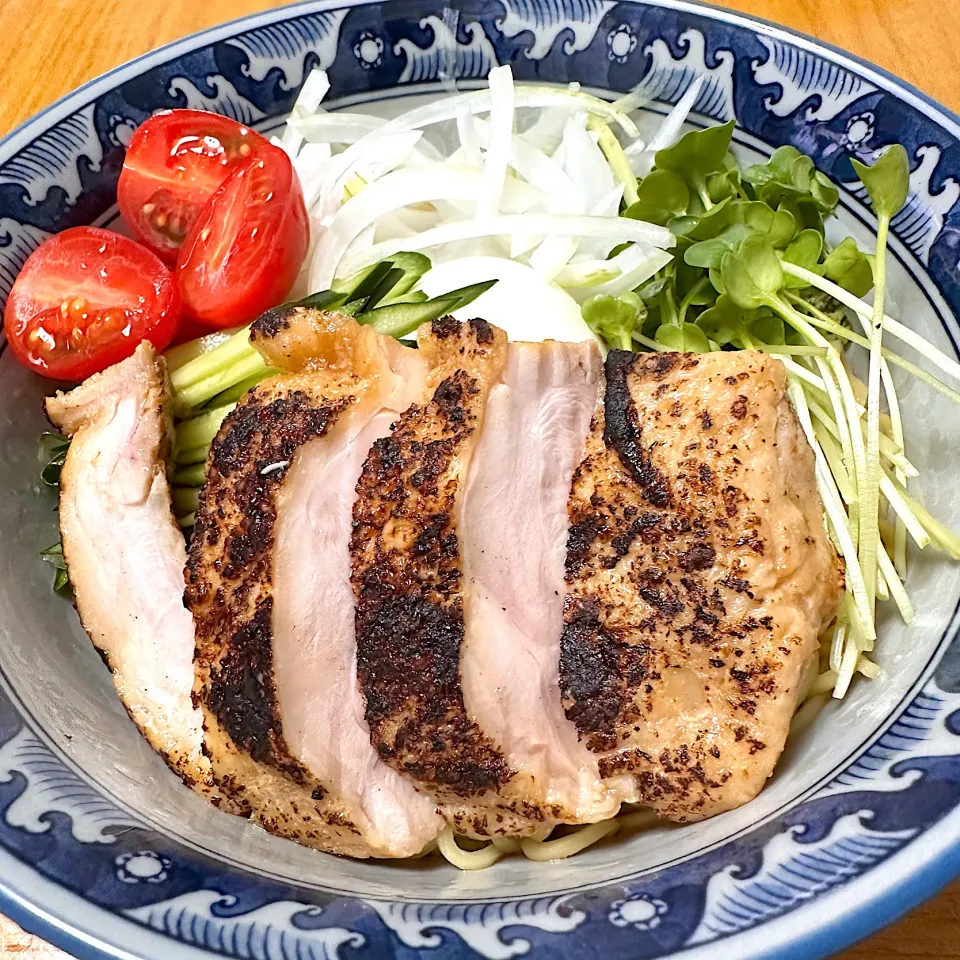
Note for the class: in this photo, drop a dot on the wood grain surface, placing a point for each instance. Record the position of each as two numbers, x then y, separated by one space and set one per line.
60 44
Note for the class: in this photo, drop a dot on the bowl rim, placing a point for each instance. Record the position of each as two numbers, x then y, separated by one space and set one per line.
915 873
930 106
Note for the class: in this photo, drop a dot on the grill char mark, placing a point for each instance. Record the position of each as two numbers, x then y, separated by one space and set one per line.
229 569
622 430
662 606
407 580
242 695
624 499
590 678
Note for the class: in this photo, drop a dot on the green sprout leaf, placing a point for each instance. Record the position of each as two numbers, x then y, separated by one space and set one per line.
663 197
777 226
776 169
684 337
728 183
697 155
887 181
651 321
723 322
709 254
753 275
849 267
711 222
809 180
53 449
683 226
54 555
649 291
768 329
790 177
805 212
701 294
614 319
61 582
62 585
717 280
685 276
805 252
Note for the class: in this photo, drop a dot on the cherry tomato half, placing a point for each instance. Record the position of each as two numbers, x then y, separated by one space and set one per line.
85 299
174 163
244 252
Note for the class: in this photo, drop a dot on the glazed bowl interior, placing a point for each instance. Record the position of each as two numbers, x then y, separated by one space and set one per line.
52 670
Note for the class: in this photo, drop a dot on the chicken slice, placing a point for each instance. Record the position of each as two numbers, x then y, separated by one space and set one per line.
513 534
269 586
125 553
699 575
409 587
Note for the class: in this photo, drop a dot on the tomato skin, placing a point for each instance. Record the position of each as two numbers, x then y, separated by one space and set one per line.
189 330
85 299
245 250
174 163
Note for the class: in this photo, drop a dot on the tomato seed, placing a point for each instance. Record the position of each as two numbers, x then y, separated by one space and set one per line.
40 341
78 310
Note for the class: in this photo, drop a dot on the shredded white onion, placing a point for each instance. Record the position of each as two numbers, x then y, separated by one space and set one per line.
498 142
642 156
624 231
530 171
585 163
637 265
402 188
314 89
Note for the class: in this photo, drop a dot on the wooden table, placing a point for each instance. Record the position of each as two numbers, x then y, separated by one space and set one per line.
60 44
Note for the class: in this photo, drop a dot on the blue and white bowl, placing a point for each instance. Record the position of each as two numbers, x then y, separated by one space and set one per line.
104 853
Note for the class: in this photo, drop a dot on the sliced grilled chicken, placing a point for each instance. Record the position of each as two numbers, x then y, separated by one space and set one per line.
125 553
513 533
458 545
269 585
699 575
409 586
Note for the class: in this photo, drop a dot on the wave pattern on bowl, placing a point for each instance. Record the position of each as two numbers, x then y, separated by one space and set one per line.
59 823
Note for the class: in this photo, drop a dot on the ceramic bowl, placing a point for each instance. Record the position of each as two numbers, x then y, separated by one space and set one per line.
103 852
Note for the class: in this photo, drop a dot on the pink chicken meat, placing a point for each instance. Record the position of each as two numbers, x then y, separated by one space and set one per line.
269 586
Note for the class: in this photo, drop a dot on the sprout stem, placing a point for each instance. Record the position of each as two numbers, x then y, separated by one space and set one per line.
940 534
862 309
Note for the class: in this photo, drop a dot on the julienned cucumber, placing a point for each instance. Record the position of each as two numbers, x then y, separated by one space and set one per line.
401 319
412 265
